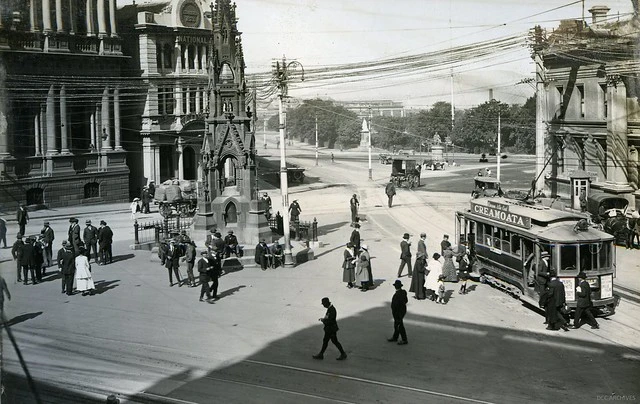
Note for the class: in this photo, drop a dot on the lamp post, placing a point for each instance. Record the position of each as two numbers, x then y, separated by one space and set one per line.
316 139
281 74
370 130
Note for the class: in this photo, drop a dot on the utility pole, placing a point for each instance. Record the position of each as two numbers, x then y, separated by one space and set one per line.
281 76
316 139
498 156
370 130
541 107
264 131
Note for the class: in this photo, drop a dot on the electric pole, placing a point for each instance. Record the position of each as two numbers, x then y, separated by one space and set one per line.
316 139
498 156
281 74
370 130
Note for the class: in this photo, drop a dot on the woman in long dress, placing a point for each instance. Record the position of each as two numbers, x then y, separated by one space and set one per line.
435 270
417 281
365 252
349 266
362 270
84 280
449 268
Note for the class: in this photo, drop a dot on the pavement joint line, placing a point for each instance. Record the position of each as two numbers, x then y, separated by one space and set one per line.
379 383
553 344
279 390
447 328
158 398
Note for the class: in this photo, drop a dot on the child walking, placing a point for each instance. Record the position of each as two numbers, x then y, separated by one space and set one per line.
463 283
441 289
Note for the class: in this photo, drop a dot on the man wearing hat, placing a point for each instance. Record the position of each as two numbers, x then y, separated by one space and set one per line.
146 199
355 238
556 299
105 239
90 238
204 271
398 310
584 304
405 254
16 253
190 259
266 204
330 331
74 236
230 244
67 266
3 232
172 262
22 217
48 236
28 261
354 205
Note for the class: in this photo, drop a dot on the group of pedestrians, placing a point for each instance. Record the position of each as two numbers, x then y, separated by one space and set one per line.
34 254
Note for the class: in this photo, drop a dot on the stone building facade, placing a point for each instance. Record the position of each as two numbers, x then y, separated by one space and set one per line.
60 122
590 100
169 43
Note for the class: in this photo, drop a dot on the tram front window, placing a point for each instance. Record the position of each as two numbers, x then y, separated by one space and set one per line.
588 257
568 257
604 254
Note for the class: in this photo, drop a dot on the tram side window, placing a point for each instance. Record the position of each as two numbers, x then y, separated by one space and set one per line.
506 241
568 257
480 234
496 238
515 244
588 257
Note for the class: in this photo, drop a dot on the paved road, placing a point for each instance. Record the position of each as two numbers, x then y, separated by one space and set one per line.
148 342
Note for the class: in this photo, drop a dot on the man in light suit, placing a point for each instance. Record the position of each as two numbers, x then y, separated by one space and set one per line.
405 254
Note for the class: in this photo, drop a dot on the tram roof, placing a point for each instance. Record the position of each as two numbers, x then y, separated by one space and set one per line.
548 223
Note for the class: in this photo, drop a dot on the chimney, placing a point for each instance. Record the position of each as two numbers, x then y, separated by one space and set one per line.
491 94
598 14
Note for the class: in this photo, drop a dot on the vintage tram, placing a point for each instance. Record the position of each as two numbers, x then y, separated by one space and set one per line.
509 238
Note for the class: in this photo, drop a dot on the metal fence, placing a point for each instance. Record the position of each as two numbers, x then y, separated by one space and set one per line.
300 230
154 232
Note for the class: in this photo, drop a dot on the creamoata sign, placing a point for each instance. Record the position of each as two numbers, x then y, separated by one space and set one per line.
501 214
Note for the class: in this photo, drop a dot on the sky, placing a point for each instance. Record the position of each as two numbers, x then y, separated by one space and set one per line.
331 32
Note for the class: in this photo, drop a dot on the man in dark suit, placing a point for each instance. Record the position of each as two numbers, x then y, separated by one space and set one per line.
90 238
230 244
48 236
28 262
74 236
390 190
398 310
173 262
215 269
355 239
555 302
16 253
330 331
421 253
66 263
262 254
105 239
22 217
584 304
405 254
204 275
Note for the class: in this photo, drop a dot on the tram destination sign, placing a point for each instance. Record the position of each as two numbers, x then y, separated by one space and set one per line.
500 212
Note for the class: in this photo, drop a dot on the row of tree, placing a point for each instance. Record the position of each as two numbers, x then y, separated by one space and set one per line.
473 130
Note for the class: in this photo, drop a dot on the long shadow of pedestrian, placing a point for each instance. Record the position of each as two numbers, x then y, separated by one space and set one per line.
330 250
103 286
52 276
124 257
448 295
22 317
231 264
329 228
377 282
230 292
472 288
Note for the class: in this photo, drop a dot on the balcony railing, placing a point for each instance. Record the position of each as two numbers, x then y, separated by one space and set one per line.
35 41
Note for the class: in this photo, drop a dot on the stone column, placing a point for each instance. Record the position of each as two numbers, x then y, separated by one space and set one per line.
98 120
102 18
180 159
106 114
36 126
46 15
92 124
72 17
59 25
51 122
147 158
198 95
112 18
178 48
187 96
33 21
64 126
43 128
116 117
617 147
91 30
178 108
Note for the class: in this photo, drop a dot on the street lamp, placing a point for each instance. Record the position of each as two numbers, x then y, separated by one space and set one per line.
281 76
316 139
370 130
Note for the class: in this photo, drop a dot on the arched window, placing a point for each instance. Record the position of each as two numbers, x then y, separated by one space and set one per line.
231 213
91 190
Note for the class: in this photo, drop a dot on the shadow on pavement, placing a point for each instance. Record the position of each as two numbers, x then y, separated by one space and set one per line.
52 275
118 258
330 250
103 286
22 317
525 366
330 228
230 292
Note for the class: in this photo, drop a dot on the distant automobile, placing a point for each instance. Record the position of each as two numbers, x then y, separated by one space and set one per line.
504 156
385 158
